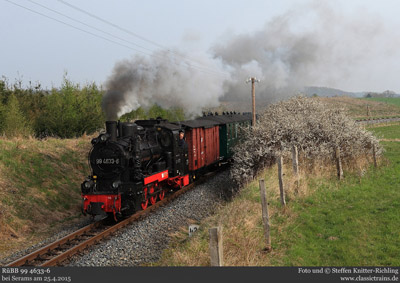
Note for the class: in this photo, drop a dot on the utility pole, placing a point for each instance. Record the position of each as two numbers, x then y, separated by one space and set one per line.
253 80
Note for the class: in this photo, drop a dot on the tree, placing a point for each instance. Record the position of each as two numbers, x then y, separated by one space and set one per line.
15 123
71 111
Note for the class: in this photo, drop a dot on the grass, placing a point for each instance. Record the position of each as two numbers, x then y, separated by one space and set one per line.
39 187
384 131
325 221
354 222
386 100
358 107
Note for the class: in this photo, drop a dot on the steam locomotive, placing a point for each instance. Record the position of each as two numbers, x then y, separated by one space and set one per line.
135 164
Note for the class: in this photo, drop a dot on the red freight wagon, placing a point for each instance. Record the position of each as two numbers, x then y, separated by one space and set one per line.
202 138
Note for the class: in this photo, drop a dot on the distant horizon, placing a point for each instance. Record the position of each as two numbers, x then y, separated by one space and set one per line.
25 85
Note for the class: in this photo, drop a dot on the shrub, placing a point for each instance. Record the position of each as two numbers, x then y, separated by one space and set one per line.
14 123
312 126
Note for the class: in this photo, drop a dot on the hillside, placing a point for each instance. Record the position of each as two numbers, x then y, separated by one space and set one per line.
358 107
329 92
39 188
333 92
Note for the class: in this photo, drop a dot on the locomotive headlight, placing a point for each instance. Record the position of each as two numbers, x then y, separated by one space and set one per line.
104 137
116 184
88 184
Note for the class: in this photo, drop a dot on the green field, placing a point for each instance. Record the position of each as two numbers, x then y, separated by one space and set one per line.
387 132
387 100
357 224
353 222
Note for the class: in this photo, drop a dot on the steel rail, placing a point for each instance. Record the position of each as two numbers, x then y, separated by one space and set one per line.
48 253
45 250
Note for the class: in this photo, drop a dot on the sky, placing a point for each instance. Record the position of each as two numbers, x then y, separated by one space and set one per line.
356 50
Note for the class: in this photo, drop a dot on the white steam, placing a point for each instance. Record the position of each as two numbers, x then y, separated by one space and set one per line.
311 45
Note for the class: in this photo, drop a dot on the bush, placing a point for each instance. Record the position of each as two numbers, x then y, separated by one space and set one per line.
312 126
14 124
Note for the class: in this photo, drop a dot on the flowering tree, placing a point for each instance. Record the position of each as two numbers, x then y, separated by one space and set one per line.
314 127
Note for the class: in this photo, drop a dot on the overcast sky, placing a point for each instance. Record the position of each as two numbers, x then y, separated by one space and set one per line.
36 48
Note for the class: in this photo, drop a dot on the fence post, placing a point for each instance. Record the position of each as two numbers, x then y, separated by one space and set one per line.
338 163
280 176
216 252
265 215
295 160
374 154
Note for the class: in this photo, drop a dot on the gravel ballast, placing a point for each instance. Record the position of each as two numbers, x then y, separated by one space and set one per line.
143 241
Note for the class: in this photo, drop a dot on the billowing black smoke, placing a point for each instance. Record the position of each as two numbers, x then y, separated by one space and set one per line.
165 79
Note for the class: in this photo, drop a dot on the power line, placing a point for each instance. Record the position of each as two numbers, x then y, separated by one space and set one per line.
109 34
133 34
107 39
90 26
109 23
72 26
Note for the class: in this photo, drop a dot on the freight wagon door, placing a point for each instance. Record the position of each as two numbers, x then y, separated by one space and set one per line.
191 139
202 143
209 145
216 142
195 139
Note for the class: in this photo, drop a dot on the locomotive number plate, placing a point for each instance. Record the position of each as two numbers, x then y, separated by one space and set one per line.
107 161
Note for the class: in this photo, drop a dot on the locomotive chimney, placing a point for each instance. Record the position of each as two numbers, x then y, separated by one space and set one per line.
111 129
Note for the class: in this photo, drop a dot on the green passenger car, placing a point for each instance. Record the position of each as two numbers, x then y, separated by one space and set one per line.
228 131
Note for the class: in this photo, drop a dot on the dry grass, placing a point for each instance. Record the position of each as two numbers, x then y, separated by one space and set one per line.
357 107
380 125
390 140
241 220
39 187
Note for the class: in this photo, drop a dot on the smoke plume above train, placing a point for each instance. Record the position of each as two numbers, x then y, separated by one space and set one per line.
165 78
286 54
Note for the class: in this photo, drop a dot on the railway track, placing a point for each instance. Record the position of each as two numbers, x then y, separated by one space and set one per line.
59 251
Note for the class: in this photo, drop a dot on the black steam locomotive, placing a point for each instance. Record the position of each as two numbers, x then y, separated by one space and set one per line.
135 164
